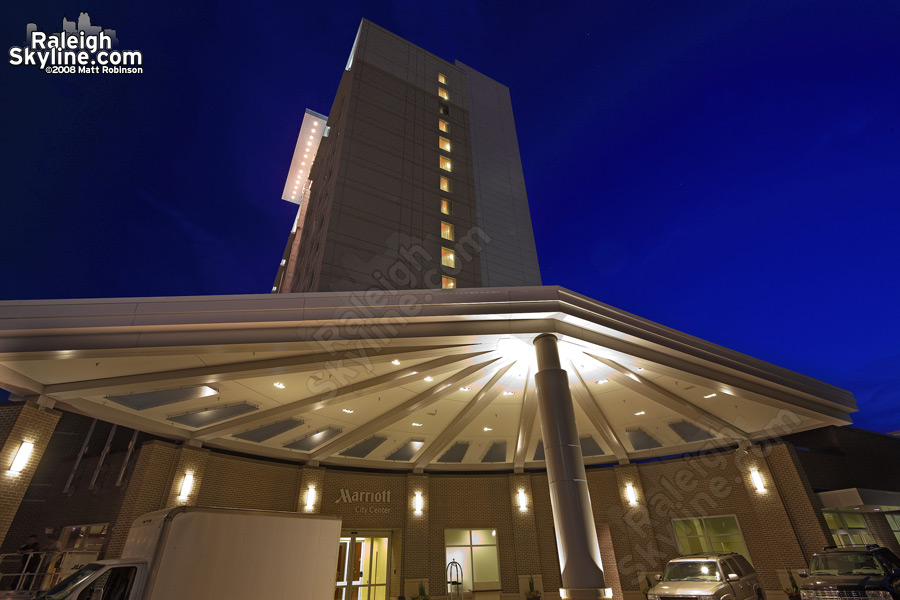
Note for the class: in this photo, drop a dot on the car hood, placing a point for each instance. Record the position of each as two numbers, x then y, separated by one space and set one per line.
816 582
686 588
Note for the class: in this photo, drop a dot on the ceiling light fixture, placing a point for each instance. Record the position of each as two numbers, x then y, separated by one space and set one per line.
348 411
508 393
488 428
710 396
429 378
602 381
465 389
279 385
395 362
640 412
416 424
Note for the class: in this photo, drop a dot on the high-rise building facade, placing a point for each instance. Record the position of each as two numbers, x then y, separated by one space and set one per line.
414 180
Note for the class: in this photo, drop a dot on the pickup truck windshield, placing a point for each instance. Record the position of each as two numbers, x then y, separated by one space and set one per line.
845 563
706 570
62 589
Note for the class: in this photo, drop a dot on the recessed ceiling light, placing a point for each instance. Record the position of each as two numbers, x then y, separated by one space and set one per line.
640 412
465 389
416 424
429 378
710 396
414 373
348 411
602 381
640 368
279 385
508 393
488 428
729 392
395 362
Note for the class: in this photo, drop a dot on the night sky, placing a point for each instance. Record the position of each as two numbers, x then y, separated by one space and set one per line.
728 169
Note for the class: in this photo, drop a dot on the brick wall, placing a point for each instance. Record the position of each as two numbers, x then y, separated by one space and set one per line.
20 423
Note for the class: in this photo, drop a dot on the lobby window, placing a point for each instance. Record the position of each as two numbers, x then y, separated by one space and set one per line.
444 126
445 110
444 143
443 93
445 206
476 552
446 231
442 78
448 283
448 258
894 522
848 529
445 184
710 534
446 164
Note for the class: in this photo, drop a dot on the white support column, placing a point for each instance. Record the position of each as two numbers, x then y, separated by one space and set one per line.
576 534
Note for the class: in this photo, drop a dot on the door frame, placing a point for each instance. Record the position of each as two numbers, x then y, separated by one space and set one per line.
355 534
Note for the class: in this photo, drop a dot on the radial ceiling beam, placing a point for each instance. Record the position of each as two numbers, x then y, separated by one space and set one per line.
669 364
594 413
646 388
526 424
416 403
19 384
225 372
342 394
476 405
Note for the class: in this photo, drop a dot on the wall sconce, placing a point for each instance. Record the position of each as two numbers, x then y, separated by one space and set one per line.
522 499
311 497
21 458
758 480
418 504
187 484
631 494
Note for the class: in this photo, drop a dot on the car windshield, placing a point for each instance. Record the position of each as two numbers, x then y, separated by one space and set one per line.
845 563
706 570
62 589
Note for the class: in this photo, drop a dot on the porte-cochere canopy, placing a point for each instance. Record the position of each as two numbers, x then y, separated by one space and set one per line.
408 380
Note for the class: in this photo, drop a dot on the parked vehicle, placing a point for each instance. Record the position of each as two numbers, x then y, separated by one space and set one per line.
852 572
192 553
714 576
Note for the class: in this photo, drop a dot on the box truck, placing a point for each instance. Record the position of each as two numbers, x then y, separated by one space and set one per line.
194 553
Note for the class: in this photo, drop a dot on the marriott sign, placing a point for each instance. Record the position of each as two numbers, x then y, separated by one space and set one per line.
348 496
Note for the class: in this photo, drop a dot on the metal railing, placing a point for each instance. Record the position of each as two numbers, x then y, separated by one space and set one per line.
35 571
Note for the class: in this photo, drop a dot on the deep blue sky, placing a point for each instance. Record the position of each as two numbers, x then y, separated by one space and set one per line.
729 169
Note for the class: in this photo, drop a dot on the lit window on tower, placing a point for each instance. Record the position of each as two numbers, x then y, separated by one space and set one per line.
444 126
446 231
448 283
444 143
442 78
443 93
445 206
446 164
448 258
445 184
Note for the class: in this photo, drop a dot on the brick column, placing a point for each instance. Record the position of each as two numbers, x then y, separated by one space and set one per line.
21 422
189 459
881 530
635 576
154 485
311 476
801 503
415 542
528 561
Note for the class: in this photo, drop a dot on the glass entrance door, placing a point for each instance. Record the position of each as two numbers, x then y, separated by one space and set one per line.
362 568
